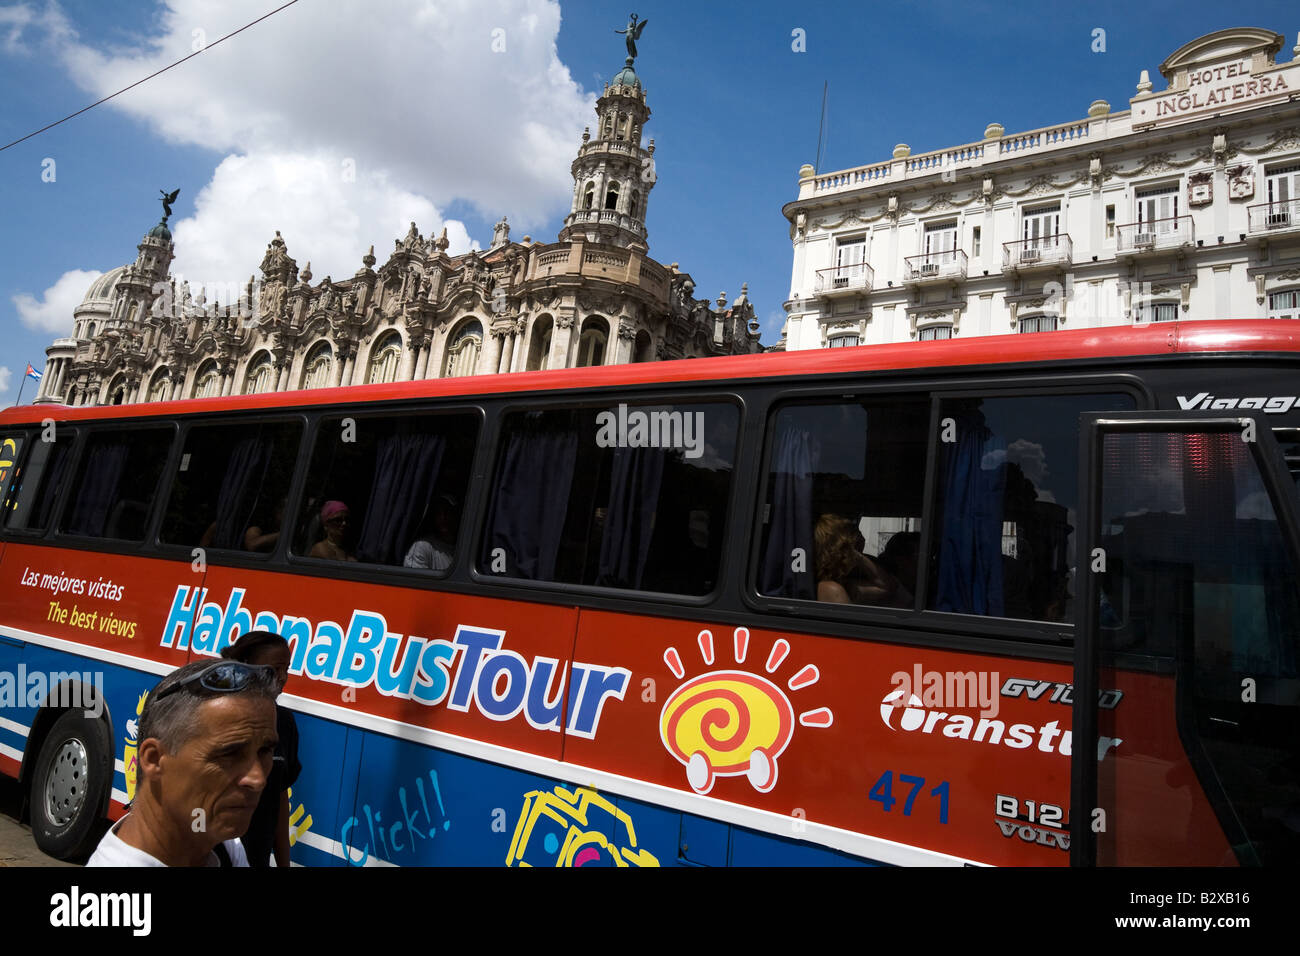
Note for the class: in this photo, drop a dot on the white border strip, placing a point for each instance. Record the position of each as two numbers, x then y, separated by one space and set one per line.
11 753
14 726
857 844
335 848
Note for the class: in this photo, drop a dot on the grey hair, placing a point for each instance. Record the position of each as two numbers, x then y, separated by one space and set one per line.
173 721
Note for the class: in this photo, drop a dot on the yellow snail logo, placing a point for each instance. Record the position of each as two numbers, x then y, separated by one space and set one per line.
129 761
732 723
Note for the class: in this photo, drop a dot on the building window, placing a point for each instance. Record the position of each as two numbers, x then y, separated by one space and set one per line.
940 242
591 346
1110 221
462 354
1038 323
934 333
1158 312
1283 187
259 376
975 244
850 257
1040 227
316 373
842 341
1284 305
385 359
589 196
1157 209
161 388
611 196
207 384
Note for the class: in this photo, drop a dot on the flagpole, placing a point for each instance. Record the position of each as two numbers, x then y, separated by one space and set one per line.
21 386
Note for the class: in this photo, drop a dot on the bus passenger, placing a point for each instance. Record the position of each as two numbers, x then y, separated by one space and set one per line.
334 519
263 536
435 541
844 574
268 831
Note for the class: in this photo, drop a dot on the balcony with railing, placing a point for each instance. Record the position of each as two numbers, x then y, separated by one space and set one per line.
1268 218
1155 234
949 265
844 280
1042 251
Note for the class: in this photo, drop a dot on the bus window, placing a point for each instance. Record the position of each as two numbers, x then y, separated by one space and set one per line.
231 485
35 487
116 483
626 496
387 489
1199 581
1005 513
842 517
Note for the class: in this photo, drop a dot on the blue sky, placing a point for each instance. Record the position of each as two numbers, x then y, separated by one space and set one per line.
446 130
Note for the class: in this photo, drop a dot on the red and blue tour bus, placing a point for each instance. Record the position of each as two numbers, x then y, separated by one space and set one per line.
1009 600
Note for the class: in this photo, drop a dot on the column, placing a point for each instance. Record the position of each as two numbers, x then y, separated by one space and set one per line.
336 369
408 361
490 360
507 348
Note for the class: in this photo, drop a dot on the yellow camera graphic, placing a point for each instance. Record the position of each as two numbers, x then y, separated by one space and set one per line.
574 828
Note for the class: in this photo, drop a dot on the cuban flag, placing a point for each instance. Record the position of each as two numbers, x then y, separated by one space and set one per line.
32 373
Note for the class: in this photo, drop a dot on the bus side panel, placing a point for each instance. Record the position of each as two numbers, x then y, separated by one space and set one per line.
805 728
14 722
326 790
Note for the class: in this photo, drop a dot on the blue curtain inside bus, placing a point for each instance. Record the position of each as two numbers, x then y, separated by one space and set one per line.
794 460
970 547
531 499
245 471
406 470
97 494
636 477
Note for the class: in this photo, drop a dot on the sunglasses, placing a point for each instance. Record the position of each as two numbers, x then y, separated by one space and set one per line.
223 677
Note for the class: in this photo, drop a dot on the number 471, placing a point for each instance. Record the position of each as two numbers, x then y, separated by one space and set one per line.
882 790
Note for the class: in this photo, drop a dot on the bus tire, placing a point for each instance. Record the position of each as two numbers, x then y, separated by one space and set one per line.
70 786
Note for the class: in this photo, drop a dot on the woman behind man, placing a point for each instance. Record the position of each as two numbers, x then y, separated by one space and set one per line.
844 574
268 831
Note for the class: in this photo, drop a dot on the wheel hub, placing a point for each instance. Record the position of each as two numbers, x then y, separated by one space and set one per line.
65 787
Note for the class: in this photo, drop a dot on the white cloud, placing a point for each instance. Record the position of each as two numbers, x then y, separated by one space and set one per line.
413 92
322 218
5 375
53 311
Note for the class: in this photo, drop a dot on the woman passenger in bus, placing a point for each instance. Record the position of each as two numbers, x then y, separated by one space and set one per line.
844 574
334 519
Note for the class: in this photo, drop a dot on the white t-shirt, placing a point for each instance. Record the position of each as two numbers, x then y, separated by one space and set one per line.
428 554
112 851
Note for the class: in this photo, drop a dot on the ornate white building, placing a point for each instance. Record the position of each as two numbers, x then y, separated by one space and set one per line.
593 298
1184 206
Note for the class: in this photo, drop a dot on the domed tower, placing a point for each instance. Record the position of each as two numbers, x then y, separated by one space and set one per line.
613 174
135 288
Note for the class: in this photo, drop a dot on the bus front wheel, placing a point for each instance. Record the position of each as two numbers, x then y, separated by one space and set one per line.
71 783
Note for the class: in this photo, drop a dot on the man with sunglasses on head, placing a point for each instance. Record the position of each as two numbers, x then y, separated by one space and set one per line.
207 736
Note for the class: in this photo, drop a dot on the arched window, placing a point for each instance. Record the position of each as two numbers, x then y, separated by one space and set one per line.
90 330
589 196
591 345
259 378
207 384
1038 323
316 370
539 348
117 391
934 333
462 353
160 389
842 341
644 350
611 196
385 359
